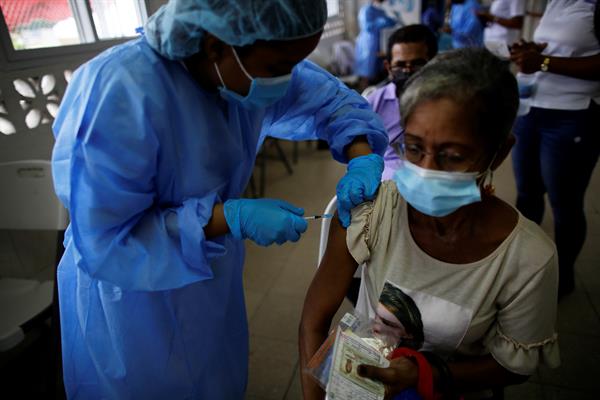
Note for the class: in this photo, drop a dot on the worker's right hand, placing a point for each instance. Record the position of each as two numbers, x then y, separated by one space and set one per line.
264 221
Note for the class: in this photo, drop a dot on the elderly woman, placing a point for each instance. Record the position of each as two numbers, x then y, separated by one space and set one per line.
480 273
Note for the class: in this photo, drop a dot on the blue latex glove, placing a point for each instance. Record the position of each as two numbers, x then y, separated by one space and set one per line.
264 221
360 184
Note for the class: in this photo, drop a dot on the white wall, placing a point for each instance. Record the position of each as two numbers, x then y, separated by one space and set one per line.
29 254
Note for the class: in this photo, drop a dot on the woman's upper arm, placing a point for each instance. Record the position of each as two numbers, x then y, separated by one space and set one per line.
332 280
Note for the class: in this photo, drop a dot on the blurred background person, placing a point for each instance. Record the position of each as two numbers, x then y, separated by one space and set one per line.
433 18
463 24
372 18
432 15
503 21
558 140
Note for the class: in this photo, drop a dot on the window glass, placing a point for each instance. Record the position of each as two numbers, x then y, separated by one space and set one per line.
115 18
39 23
333 8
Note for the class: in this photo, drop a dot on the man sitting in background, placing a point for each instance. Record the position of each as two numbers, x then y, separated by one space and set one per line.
409 48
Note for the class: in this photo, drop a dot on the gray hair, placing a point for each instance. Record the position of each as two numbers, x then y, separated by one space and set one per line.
474 78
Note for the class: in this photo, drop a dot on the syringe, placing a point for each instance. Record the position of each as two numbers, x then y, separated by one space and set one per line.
319 216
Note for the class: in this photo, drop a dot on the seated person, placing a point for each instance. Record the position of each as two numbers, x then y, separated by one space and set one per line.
409 48
482 277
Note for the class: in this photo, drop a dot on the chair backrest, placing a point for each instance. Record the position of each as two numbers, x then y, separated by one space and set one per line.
342 63
325 222
28 200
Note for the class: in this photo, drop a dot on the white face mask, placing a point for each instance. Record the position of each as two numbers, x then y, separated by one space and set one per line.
263 91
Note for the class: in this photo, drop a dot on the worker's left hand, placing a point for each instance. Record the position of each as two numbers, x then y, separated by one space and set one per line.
360 184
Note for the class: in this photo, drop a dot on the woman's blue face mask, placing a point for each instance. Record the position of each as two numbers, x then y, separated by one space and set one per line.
263 91
437 193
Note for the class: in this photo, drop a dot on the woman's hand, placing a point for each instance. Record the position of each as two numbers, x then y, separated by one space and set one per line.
402 373
523 45
527 56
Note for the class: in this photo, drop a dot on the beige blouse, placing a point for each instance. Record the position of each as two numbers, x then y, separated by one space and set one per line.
503 305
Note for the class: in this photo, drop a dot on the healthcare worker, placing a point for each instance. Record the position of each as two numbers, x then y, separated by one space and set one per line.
155 142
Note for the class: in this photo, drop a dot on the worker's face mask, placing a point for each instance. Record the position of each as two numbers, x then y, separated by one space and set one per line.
437 193
263 91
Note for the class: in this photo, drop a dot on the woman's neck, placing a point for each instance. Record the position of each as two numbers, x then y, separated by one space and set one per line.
451 227
467 235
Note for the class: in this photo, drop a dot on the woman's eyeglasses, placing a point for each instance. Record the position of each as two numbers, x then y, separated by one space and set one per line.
446 160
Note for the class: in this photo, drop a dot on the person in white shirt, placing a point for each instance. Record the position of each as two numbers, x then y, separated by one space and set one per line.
504 21
558 141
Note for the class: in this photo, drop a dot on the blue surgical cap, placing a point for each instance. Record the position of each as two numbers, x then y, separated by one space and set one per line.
177 28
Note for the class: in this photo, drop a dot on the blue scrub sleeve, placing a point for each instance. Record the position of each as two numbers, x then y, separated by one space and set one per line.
106 157
374 20
317 105
467 27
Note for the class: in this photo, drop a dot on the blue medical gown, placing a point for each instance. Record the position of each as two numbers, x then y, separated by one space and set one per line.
467 30
151 308
371 21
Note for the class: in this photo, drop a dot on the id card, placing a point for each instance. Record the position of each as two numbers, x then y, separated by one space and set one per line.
349 352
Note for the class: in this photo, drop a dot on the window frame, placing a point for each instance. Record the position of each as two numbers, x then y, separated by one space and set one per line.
86 28
335 27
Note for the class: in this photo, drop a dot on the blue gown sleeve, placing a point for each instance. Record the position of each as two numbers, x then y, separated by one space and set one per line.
373 20
105 163
317 105
467 28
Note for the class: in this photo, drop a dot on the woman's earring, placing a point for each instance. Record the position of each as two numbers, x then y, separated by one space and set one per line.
488 188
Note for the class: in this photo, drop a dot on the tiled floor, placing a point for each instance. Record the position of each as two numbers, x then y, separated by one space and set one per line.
276 280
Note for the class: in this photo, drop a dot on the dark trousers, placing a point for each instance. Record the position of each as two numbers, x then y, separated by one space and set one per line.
555 153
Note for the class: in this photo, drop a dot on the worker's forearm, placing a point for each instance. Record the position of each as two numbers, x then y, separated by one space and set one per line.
359 147
482 373
217 225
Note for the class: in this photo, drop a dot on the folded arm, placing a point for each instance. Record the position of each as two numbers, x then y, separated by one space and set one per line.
529 58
